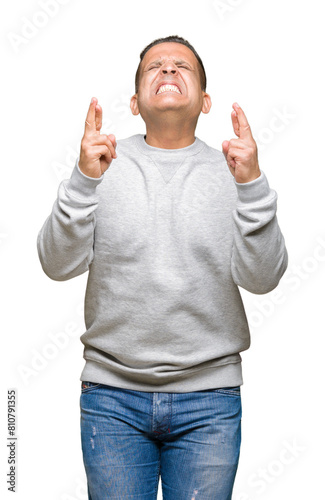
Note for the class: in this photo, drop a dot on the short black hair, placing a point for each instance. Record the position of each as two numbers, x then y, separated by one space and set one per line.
177 39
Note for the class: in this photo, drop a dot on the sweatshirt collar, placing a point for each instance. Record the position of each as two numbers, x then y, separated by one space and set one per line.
146 149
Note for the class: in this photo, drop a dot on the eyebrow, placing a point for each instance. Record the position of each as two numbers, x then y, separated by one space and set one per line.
176 61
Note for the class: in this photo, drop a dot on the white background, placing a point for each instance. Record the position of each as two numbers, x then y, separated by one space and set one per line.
268 56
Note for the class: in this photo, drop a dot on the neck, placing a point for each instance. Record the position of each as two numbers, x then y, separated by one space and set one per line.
170 136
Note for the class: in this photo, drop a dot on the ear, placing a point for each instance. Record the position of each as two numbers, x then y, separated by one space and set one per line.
134 104
207 103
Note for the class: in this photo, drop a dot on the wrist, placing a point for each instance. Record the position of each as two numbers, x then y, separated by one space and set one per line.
82 185
251 176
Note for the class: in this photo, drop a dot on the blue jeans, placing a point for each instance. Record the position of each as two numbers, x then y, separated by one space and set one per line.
130 438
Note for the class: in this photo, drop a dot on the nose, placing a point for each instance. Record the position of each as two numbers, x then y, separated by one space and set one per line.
169 71
169 67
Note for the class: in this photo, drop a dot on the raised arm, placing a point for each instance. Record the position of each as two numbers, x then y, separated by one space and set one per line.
65 241
259 256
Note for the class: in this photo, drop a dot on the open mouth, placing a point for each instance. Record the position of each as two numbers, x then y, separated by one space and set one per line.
168 88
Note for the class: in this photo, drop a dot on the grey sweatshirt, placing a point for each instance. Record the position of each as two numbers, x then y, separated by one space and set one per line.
167 237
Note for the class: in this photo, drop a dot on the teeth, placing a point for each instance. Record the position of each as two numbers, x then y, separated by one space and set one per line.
166 88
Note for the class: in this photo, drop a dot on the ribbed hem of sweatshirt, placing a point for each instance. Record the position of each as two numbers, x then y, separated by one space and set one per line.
80 185
215 377
253 191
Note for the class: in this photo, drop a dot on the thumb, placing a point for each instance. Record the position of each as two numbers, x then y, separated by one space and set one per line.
225 148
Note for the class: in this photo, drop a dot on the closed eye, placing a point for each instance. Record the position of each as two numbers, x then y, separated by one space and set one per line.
152 67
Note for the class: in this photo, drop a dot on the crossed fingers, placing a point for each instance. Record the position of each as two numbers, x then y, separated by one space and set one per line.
93 125
240 123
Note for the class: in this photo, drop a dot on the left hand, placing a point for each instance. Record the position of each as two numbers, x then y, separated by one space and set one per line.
241 154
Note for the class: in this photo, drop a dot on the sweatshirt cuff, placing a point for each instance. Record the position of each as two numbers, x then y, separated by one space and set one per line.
80 184
253 191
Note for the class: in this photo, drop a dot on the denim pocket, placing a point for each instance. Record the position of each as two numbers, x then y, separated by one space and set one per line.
89 386
230 391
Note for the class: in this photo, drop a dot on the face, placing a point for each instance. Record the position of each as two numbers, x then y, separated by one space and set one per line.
170 64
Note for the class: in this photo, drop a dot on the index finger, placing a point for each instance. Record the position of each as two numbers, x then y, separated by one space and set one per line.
90 123
244 128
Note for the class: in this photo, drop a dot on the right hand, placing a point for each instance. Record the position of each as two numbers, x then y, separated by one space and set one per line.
97 150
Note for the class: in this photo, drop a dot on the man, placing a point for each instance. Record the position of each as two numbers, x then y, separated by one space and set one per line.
168 228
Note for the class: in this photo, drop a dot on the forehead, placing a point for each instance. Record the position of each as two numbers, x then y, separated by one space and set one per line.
169 50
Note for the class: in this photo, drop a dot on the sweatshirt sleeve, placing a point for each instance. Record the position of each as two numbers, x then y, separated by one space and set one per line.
259 256
65 241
